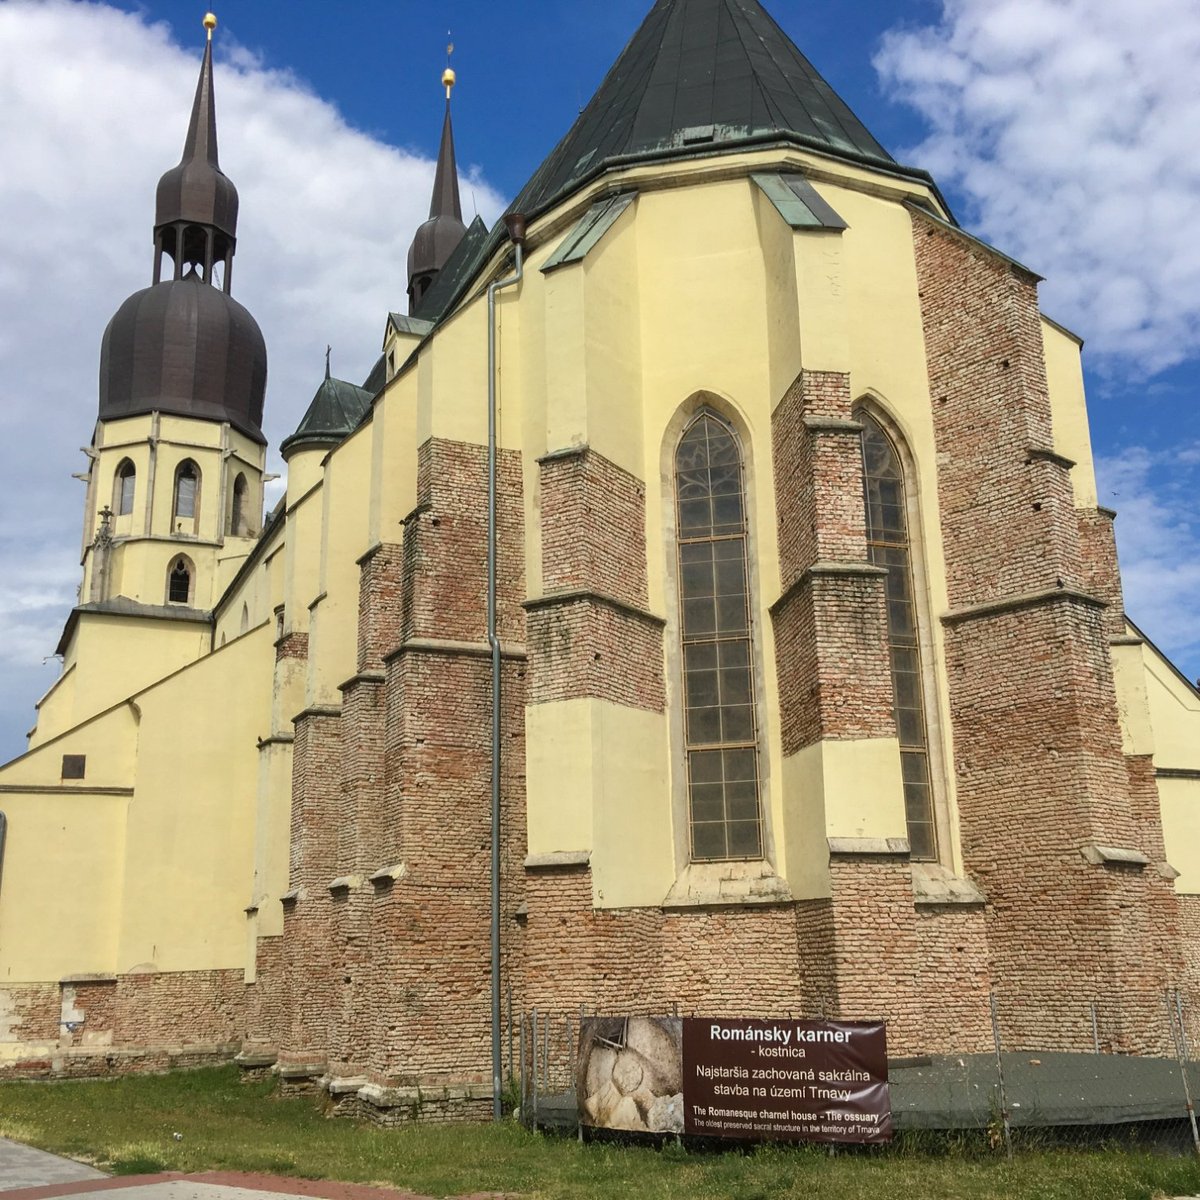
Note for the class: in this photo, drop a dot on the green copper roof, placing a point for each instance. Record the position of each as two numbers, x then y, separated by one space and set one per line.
335 411
701 74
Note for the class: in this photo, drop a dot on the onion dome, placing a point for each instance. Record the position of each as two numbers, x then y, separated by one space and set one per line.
185 345
438 237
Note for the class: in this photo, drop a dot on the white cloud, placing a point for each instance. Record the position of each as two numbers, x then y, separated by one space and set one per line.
95 106
1070 126
1158 538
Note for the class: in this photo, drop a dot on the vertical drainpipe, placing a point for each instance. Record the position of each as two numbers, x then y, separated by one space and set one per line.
3 832
516 233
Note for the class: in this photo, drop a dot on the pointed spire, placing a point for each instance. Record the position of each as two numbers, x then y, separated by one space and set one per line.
445 201
196 192
328 351
438 237
201 142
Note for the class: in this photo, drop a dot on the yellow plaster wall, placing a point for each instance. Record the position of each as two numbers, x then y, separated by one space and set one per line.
838 789
1180 799
1068 408
1174 710
452 378
63 865
114 657
595 782
65 849
190 840
302 555
393 433
333 644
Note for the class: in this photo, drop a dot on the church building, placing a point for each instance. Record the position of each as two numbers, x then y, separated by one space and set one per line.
704 605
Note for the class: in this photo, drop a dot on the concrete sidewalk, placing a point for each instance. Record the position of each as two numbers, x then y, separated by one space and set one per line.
29 1174
24 1167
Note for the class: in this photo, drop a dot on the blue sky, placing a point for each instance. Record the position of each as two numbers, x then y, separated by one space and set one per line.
1061 130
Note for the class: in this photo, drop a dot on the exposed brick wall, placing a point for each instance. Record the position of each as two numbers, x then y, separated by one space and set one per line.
1008 514
380 584
818 475
1189 940
292 645
593 527
168 1008
586 646
876 949
430 929
831 621
144 1022
863 954
954 980
445 545
308 953
362 841
30 1012
266 1017
597 639
1040 777
1101 574
1033 706
832 653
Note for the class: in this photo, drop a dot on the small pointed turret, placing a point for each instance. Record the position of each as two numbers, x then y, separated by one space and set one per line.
438 237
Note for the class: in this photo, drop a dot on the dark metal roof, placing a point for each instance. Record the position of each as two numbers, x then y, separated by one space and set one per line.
197 190
335 411
438 238
457 270
698 78
186 348
697 73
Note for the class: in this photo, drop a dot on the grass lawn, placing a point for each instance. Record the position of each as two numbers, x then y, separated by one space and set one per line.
128 1126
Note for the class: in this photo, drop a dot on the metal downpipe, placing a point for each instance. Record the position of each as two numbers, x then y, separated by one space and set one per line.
516 231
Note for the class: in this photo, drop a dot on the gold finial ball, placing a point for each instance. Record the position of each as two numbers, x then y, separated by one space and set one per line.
449 78
210 21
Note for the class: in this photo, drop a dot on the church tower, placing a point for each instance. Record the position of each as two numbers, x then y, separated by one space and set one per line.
178 456
176 465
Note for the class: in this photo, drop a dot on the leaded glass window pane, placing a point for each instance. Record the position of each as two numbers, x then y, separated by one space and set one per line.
888 544
720 726
126 485
186 486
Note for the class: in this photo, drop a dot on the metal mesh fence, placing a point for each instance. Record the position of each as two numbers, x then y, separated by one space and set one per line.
1089 1074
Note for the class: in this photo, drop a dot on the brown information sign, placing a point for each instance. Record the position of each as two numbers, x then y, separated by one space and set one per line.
814 1081
818 1081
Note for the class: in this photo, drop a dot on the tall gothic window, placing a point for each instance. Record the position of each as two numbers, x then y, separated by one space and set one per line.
187 491
888 543
720 727
238 524
123 488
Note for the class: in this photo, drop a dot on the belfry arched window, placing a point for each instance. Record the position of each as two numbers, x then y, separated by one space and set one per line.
239 526
124 486
888 547
720 724
180 578
186 508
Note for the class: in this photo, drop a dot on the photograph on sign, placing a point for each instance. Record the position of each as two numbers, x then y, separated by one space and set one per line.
821 1081
630 1074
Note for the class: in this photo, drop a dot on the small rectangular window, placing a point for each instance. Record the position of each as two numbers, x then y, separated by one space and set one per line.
74 766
